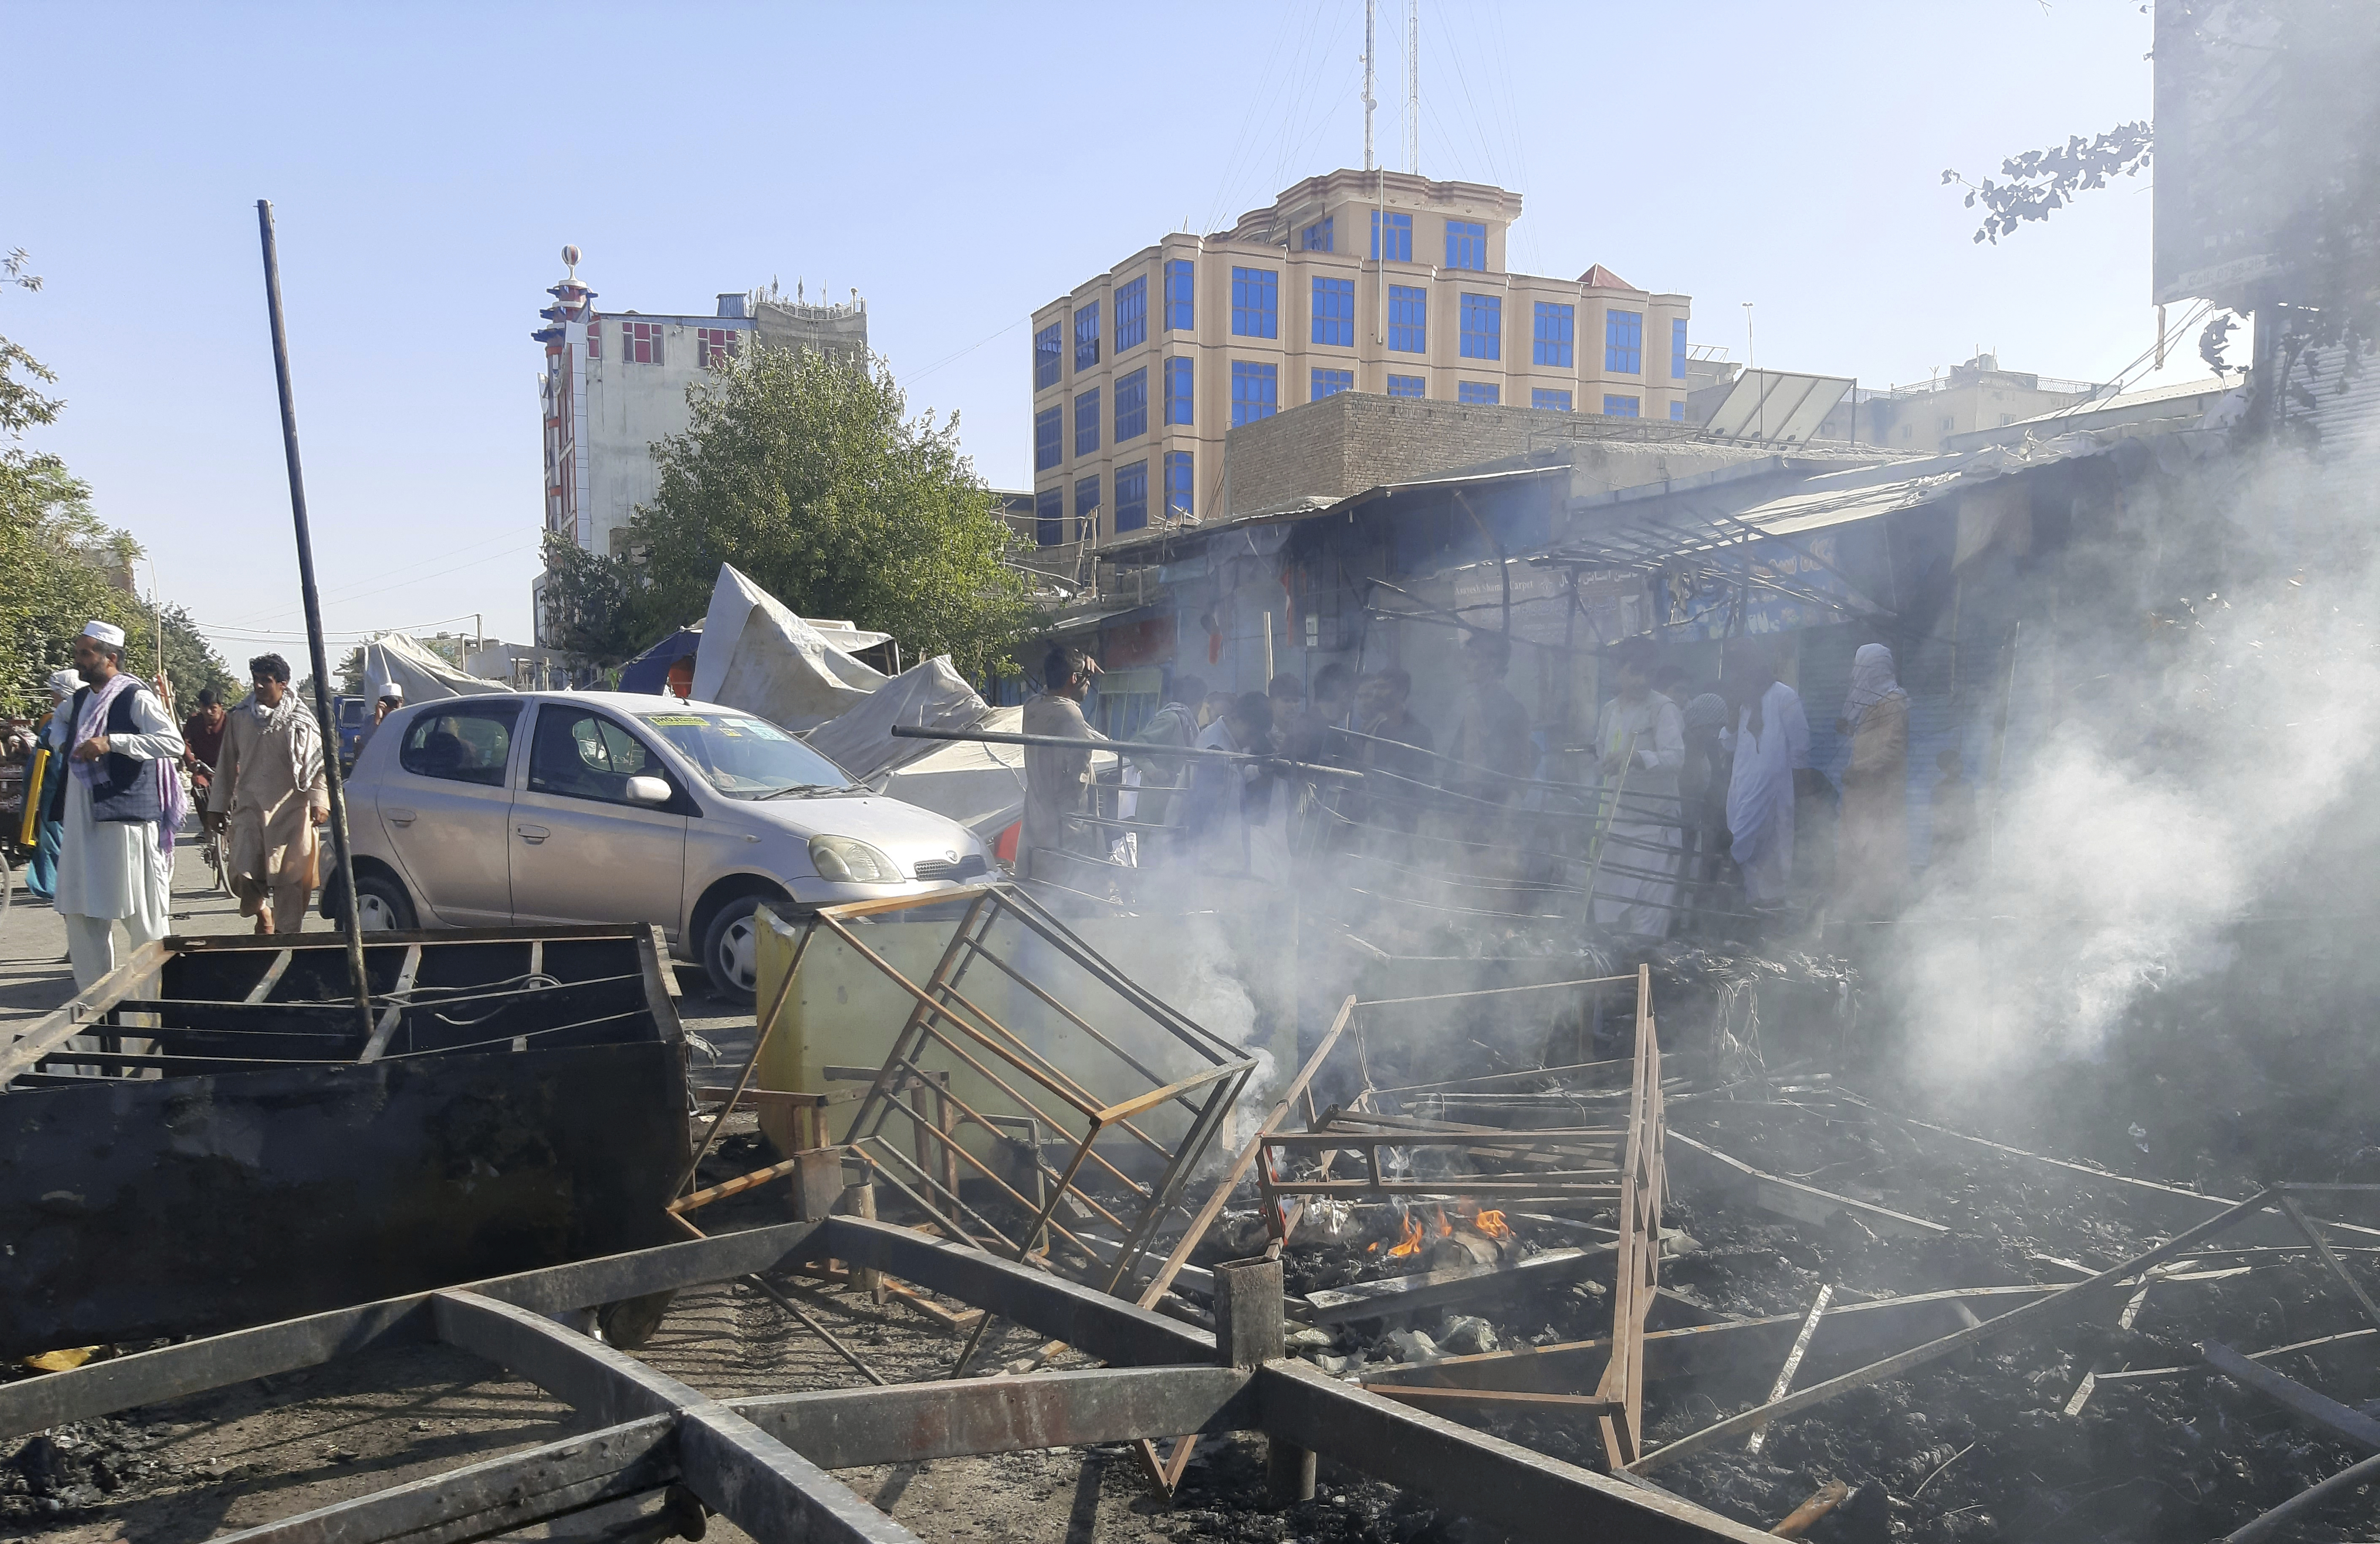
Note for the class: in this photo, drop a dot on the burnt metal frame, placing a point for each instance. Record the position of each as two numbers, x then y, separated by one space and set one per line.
762 1462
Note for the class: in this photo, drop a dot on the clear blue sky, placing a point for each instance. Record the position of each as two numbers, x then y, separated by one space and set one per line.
958 165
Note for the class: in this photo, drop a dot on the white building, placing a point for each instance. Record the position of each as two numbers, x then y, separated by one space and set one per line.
615 382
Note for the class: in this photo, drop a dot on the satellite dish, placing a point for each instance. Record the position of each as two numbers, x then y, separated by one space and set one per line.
570 259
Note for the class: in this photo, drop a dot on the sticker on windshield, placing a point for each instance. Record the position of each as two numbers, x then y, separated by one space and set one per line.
674 721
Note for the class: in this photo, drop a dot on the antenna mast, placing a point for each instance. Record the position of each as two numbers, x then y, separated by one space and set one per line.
1370 5
1413 86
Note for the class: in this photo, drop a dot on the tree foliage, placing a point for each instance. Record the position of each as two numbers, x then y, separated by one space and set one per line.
804 471
2043 181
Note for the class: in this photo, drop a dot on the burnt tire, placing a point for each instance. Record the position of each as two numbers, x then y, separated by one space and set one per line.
631 1321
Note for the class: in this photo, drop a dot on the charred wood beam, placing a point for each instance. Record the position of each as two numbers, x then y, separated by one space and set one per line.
603 1385
849 1428
1473 1474
771 1491
2293 1397
1429 1289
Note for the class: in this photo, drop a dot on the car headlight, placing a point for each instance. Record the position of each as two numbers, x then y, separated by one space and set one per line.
846 861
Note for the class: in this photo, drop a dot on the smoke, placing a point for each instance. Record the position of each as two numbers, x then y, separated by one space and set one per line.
2212 696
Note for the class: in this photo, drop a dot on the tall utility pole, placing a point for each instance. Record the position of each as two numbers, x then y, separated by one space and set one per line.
1370 5
1413 86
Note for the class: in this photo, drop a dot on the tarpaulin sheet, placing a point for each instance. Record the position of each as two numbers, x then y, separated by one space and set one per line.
932 694
424 676
757 655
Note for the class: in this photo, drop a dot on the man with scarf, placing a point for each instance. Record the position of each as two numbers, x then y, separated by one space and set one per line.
270 789
1772 740
1871 846
124 802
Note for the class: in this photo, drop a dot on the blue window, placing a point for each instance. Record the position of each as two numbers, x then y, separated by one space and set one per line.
1255 392
1086 422
1407 385
1624 342
1331 382
1334 312
1177 392
1480 393
1677 348
1050 518
1131 408
1466 245
1408 318
1482 317
1400 227
1540 397
1177 485
1086 336
1131 497
1319 237
1048 346
1620 406
1181 304
1049 439
1256 303
1132 315
1553 344
1087 508
1677 412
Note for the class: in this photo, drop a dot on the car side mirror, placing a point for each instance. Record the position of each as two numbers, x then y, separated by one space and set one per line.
649 790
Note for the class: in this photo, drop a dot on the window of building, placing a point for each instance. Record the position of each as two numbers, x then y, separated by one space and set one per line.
1132 315
1049 439
1540 397
2007 419
1948 423
1551 345
1086 422
594 340
1050 518
1620 406
1049 350
1677 348
1255 392
1087 509
1086 336
1677 412
1480 393
1178 482
715 345
1181 303
1256 303
1177 392
1623 343
1131 497
1408 385
1466 245
1131 409
640 342
1334 312
1319 237
1331 382
1400 229
1482 320
1408 318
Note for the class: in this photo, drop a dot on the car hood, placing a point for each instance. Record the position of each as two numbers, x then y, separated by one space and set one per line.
901 831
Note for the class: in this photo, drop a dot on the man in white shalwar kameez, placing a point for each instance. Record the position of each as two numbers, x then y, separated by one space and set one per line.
1772 738
1642 742
123 804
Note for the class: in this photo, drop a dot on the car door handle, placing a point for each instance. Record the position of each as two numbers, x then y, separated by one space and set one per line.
399 817
531 834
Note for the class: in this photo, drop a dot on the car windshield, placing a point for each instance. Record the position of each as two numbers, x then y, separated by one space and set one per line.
747 758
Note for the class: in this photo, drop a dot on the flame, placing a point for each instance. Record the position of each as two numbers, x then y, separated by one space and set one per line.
1493 1224
1410 1243
1437 1215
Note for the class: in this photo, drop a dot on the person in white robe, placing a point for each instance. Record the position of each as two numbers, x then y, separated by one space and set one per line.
1055 782
1642 743
1772 738
120 745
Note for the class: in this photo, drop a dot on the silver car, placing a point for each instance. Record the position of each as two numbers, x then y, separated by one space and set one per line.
607 807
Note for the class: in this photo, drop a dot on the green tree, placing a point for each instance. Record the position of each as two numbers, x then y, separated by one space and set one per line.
803 470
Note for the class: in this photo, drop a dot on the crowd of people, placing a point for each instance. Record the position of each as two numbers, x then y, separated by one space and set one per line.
1687 799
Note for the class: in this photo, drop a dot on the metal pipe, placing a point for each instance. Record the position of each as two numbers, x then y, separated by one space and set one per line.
353 922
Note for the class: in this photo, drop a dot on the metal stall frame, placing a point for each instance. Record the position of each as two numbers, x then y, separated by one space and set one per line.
763 1462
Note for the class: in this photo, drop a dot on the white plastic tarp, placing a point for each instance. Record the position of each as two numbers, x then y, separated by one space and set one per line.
980 787
757 655
423 675
932 694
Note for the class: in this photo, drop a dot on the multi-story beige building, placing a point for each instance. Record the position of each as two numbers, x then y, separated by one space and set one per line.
1139 373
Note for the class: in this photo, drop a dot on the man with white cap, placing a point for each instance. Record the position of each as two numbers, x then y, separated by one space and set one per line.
49 818
387 699
123 804
271 790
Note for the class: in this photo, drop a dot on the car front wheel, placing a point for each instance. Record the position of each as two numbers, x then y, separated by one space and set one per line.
731 950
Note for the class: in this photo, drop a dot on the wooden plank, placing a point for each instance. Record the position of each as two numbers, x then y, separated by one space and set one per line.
2293 1397
1706 1168
395 1012
1461 1401
2330 1261
272 978
136 975
1792 1361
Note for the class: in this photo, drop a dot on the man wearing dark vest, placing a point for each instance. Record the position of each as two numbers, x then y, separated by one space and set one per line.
123 804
